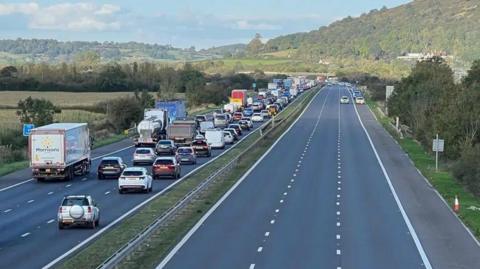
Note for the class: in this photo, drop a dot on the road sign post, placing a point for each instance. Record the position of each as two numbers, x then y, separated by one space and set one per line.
27 129
437 146
388 92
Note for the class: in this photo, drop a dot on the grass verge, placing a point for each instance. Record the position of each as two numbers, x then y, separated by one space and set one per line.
166 238
443 180
12 167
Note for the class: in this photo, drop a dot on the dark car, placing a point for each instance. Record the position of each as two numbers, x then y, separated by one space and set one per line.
186 155
110 167
244 125
236 127
201 148
165 147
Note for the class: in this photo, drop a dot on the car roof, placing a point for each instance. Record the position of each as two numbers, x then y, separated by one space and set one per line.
163 140
76 196
111 158
150 149
185 148
135 168
165 158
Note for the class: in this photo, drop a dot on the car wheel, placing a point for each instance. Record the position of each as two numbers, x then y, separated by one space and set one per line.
151 188
120 191
97 222
61 226
92 225
100 176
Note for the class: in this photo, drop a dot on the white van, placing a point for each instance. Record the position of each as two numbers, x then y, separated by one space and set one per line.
215 138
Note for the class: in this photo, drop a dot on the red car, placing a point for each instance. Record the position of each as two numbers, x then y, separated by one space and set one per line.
237 116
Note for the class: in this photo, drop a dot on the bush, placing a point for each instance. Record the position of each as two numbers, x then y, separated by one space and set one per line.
467 169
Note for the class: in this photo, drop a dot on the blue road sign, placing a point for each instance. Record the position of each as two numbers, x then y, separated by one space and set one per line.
27 128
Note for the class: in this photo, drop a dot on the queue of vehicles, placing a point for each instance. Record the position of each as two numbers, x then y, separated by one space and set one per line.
166 140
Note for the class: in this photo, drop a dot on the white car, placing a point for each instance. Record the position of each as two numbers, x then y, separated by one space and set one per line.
359 100
135 178
228 137
144 155
249 121
264 114
344 100
257 117
78 210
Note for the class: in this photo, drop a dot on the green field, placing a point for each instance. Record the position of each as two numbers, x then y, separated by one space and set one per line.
9 119
61 99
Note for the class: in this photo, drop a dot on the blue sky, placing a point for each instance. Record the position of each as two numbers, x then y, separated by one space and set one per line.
181 23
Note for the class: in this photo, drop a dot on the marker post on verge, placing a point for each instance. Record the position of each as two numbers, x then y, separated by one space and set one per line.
437 146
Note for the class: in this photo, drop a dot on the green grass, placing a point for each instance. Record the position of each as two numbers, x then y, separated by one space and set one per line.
112 240
12 167
443 180
109 140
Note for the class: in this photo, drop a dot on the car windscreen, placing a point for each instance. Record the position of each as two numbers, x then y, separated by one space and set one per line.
109 162
184 151
168 143
164 161
132 173
220 117
142 151
81 201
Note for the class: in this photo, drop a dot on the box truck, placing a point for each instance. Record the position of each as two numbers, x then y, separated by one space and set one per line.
239 97
176 108
59 151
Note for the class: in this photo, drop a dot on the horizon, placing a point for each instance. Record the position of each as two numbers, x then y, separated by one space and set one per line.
184 25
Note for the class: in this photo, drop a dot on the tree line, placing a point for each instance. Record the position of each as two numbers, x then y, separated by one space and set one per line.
430 103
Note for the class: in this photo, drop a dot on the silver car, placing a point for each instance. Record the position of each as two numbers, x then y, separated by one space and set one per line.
78 210
144 156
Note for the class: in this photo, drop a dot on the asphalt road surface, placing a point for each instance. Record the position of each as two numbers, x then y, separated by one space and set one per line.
29 235
321 198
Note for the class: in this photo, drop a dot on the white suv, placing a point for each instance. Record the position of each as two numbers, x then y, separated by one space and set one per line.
78 210
135 178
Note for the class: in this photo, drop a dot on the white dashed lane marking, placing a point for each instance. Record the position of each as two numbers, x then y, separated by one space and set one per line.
272 221
7 210
252 266
50 193
260 249
30 201
68 186
50 221
267 234
107 192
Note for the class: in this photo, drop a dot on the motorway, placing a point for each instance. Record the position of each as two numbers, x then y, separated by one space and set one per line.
29 236
321 198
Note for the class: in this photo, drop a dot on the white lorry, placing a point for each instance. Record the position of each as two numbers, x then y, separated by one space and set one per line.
152 128
59 151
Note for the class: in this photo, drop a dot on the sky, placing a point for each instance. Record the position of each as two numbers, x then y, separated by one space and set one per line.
180 23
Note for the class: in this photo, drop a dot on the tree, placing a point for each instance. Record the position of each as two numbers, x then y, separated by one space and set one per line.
144 98
255 46
168 83
8 71
123 112
37 111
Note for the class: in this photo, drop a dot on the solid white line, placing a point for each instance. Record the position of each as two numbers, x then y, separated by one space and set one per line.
417 242
50 221
25 234
225 196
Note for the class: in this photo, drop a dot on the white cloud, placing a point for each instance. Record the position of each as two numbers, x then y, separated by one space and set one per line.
246 25
66 16
25 8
